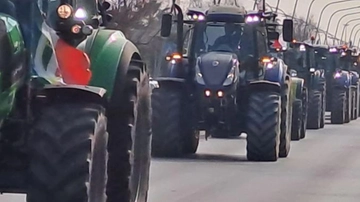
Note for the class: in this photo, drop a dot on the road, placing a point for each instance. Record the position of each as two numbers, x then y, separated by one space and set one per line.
325 167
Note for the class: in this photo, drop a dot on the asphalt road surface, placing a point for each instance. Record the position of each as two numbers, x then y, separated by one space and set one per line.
325 167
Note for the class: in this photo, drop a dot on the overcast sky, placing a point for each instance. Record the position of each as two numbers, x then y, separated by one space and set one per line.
303 5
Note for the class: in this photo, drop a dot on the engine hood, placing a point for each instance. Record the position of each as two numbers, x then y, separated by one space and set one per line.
215 66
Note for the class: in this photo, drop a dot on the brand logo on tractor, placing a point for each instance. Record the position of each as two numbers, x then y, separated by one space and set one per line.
215 63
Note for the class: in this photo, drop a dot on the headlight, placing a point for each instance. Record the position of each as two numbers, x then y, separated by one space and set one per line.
230 77
64 11
312 69
337 75
80 14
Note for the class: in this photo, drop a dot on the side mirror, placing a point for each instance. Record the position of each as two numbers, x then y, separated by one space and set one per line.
273 36
288 29
166 23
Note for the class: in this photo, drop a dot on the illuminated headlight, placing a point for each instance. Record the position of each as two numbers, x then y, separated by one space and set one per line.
343 53
355 63
332 50
230 77
154 84
302 48
337 75
269 65
80 14
312 69
64 11
251 19
197 17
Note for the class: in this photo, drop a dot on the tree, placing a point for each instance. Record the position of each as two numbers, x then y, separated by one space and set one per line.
303 32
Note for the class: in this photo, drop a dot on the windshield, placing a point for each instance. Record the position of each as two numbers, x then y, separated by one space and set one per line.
228 37
321 58
296 58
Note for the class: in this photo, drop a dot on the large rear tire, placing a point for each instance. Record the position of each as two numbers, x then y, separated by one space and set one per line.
129 141
338 106
314 110
173 128
68 154
305 101
263 126
296 120
348 106
323 109
285 125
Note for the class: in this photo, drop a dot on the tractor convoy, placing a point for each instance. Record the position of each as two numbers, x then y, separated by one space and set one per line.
230 75
78 119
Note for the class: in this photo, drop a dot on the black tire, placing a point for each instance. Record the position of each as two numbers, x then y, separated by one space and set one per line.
129 141
314 110
173 128
338 106
354 103
296 120
348 106
285 125
67 150
263 126
323 109
305 101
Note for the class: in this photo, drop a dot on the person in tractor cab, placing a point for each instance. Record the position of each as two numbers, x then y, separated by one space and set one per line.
231 38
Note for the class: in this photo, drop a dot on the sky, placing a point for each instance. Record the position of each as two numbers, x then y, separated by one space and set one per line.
303 7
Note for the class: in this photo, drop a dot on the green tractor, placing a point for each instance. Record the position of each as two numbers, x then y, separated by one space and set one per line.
75 105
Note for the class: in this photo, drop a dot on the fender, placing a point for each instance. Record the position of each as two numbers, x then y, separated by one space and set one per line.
317 80
341 79
72 93
263 85
299 83
354 78
276 72
110 54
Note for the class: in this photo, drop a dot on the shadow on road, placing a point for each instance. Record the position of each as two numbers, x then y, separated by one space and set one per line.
200 157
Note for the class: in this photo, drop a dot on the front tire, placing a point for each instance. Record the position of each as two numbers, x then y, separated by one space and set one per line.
68 154
296 120
263 126
173 131
314 110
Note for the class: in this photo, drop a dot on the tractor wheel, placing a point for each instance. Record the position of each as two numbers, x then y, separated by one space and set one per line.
338 106
304 103
348 106
296 120
314 110
263 126
285 125
173 131
323 109
68 154
356 111
129 141
354 103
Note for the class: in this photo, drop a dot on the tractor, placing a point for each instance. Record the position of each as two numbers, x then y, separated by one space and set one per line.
300 57
227 83
75 105
344 92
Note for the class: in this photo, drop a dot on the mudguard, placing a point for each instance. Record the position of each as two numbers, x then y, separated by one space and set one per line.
298 84
58 93
354 78
275 72
168 81
264 85
317 80
110 54
341 79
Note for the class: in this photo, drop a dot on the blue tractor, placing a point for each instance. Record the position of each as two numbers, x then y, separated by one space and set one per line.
226 83
343 95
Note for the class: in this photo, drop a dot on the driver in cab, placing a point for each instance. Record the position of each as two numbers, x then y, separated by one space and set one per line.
230 39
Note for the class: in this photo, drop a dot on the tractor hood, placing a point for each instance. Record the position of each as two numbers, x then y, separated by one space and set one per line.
216 66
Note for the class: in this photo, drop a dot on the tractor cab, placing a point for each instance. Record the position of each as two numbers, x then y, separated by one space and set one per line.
301 58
